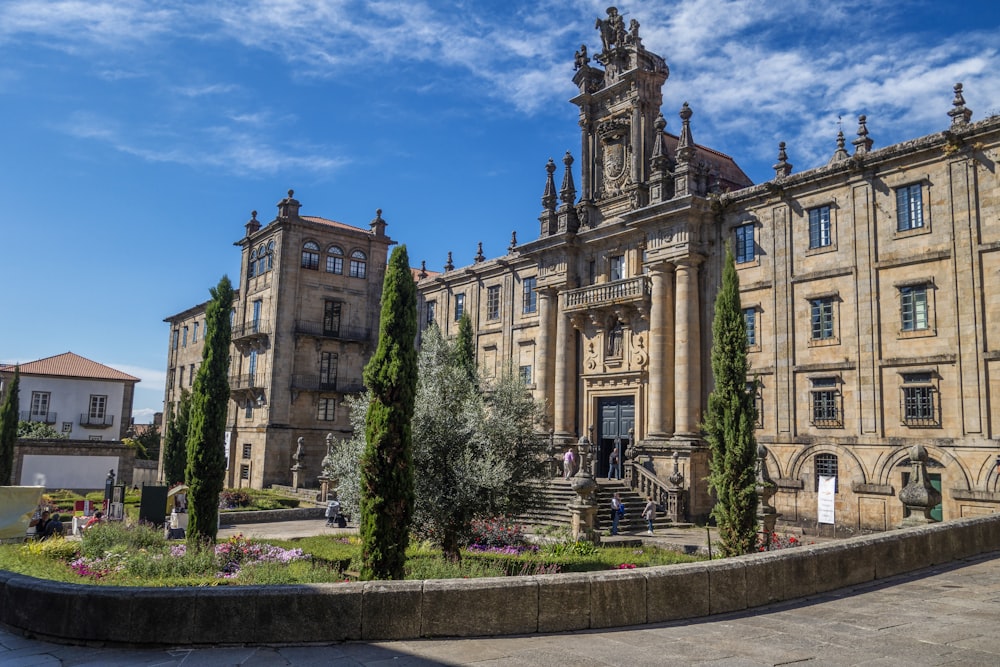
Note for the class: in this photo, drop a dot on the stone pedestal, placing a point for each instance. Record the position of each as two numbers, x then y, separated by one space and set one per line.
918 496
767 516
584 508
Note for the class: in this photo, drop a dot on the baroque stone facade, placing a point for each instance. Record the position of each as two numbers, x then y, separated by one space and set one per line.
305 323
865 284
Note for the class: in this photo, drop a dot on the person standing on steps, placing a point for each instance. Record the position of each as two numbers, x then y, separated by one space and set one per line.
649 513
617 510
614 467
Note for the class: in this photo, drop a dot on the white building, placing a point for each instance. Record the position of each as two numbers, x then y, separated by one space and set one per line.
78 397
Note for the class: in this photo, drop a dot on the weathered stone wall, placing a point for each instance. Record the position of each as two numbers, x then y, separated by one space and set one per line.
475 607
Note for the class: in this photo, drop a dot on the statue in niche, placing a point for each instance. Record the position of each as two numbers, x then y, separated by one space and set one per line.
615 335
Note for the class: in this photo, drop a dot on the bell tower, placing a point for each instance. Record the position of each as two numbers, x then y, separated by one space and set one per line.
619 105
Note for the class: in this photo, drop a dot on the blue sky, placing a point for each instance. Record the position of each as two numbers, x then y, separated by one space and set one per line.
137 135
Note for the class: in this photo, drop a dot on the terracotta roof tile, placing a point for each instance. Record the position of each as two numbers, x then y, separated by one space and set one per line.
333 223
70 365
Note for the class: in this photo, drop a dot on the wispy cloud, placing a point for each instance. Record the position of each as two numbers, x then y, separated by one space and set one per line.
205 90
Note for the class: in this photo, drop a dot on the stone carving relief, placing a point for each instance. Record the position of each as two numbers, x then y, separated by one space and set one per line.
639 356
615 153
591 356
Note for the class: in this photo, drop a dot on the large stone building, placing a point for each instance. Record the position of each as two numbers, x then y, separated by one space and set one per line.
864 282
305 322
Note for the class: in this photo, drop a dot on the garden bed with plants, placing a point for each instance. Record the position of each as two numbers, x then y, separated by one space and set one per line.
118 555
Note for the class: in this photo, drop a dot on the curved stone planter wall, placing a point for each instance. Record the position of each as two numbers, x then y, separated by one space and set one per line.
78 613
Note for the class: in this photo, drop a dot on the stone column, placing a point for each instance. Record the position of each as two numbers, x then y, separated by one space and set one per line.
565 377
661 352
687 349
547 307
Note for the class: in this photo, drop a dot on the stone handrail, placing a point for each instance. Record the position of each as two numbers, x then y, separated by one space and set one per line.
646 483
377 610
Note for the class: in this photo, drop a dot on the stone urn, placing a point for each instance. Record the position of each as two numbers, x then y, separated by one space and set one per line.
918 496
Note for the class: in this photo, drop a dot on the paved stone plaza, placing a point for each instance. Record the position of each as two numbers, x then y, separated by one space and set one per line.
941 616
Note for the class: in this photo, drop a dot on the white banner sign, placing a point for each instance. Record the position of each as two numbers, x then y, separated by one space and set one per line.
826 499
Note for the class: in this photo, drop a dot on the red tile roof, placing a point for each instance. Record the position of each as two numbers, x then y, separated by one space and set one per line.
332 223
70 365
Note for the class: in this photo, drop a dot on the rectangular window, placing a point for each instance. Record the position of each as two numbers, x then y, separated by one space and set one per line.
67 427
258 306
909 207
328 370
459 306
826 403
252 366
525 373
819 227
746 249
822 318
750 318
431 310
247 450
918 400
180 378
331 318
248 409
913 304
191 374
244 472
529 297
617 267
40 405
334 264
184 338
98 407
493 302
826 466
756 390
194 333
327 408
174 337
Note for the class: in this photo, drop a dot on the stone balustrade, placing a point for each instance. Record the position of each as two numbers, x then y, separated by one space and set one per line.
78 613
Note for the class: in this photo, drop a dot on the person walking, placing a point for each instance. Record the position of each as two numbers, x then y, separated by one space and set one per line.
617 510
569 463
614 467
649 513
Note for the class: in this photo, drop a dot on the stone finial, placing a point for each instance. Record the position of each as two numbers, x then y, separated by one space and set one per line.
289 206
863 143
567 194
253 224
783 167
918 496
658 157
960 114
841 153
378 224
449 265
549 196
480 257
685 143
513 242
423 269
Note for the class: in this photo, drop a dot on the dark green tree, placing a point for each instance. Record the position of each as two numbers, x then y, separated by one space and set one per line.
729 422
206 462
29 430
465 349
175 440
8 427
148 435
387 464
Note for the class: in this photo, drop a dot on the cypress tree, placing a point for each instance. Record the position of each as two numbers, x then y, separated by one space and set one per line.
465 349
729 422
387 463
175 440
206 462
8 428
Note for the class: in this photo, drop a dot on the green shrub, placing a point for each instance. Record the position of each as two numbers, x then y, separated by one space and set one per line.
55 548
104 537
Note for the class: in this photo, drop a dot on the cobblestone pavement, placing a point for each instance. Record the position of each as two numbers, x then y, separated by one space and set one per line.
946 615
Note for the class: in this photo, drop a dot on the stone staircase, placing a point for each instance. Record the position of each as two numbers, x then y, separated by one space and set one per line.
555 494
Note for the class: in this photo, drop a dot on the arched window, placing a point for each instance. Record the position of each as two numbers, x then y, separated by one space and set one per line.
826 466
334 260
359 264
252 267
270 255
261 259
310 255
